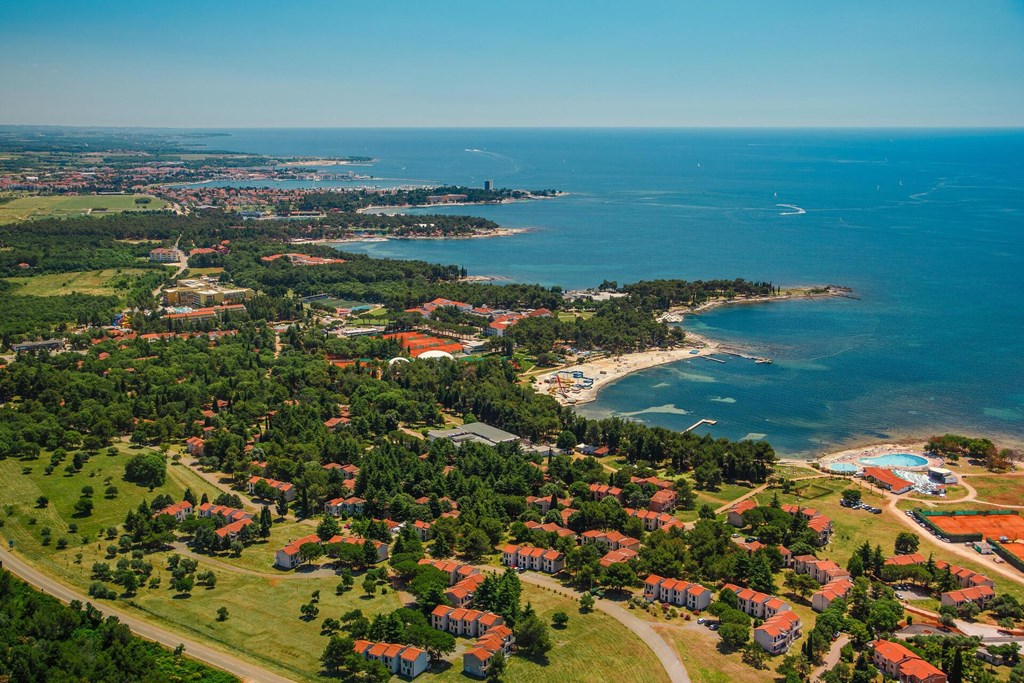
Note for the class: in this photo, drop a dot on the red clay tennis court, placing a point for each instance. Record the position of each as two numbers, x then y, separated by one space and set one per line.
993 526
1015 549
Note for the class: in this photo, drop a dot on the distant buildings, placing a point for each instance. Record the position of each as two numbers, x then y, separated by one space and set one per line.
474 431
198 292
46 345
165 255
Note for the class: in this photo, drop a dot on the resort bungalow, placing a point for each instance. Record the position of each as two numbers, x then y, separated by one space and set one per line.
194 446
778 632
758 605
231 531
528 557
405 660
662 501
180 511
602 491
887 480
979 595
288 556
617 557
833 590
822 571
676 592
735 514
477 661
349 506
611 540
654 520
966 577
280 486
469 623
896 661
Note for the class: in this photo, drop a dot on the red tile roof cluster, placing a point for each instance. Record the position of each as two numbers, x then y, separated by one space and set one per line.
228 513
912 667
617 556
173 510
974 594
905 560
233 528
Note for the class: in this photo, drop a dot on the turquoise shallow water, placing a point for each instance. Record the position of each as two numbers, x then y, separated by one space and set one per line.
926 226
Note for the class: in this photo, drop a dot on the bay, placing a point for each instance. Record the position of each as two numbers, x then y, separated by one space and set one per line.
927 226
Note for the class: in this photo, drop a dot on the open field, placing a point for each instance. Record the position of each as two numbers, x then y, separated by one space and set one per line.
264 623
698 648
84 282
999 488
592 647
1011 526
51 206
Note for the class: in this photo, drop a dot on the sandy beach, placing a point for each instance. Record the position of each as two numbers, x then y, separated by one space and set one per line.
607 369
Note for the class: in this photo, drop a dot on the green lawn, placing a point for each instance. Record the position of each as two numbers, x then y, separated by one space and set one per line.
698 648
998 488
264 622
592 647
101 282
24 208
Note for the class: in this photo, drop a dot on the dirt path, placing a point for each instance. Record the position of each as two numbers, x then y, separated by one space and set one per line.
195 649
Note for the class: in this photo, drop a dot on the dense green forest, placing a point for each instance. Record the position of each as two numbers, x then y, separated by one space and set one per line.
351 201
43 641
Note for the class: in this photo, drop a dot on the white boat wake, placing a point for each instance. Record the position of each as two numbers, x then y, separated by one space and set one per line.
795 212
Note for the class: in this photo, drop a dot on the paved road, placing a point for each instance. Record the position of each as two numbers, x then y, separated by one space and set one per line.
195 649
666 653
1003 569
832 658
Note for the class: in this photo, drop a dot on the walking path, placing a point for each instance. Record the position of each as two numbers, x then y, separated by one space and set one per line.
832 658
666 653
195 649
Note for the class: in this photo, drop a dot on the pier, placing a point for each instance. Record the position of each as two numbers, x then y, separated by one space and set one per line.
717 360
699 423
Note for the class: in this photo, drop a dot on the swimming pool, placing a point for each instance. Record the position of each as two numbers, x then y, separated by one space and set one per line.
842 467
895 460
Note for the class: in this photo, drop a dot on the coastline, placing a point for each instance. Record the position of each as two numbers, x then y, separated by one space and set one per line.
398 208
607 370
498 232
790 294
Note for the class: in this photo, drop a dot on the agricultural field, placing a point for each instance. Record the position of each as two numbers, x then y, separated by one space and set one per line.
99 282
24 208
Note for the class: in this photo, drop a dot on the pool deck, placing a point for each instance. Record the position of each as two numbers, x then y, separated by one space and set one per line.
853 456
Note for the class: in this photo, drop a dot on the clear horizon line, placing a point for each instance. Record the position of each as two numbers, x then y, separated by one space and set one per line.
1015 127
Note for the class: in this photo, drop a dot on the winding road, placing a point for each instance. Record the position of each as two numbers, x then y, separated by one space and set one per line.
247 671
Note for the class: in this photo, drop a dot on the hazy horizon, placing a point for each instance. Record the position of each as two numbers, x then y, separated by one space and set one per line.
239 65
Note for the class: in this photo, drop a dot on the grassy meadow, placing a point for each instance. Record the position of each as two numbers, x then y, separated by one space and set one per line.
58 206
99 282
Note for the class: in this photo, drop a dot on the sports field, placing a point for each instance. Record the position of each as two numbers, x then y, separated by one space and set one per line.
1011 526
24 208
1015 549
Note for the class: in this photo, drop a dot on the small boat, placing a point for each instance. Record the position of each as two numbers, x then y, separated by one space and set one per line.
763 361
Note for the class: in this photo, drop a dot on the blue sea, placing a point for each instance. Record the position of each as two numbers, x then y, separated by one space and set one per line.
926 226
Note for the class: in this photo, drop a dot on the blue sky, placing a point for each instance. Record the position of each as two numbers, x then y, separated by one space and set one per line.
487 63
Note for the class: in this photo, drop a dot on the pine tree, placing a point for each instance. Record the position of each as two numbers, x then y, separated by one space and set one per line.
265 522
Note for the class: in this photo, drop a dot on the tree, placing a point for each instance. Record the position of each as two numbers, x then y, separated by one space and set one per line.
586 602
734 636
42 501
327 528
335 654
282 504
755 656
532 637
146 469
309 552
369 585
497 667
265 522
619 575
309 611
852 496
222 614
183 584
907 542
475 545
559 619
760 576
83 507
566 441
